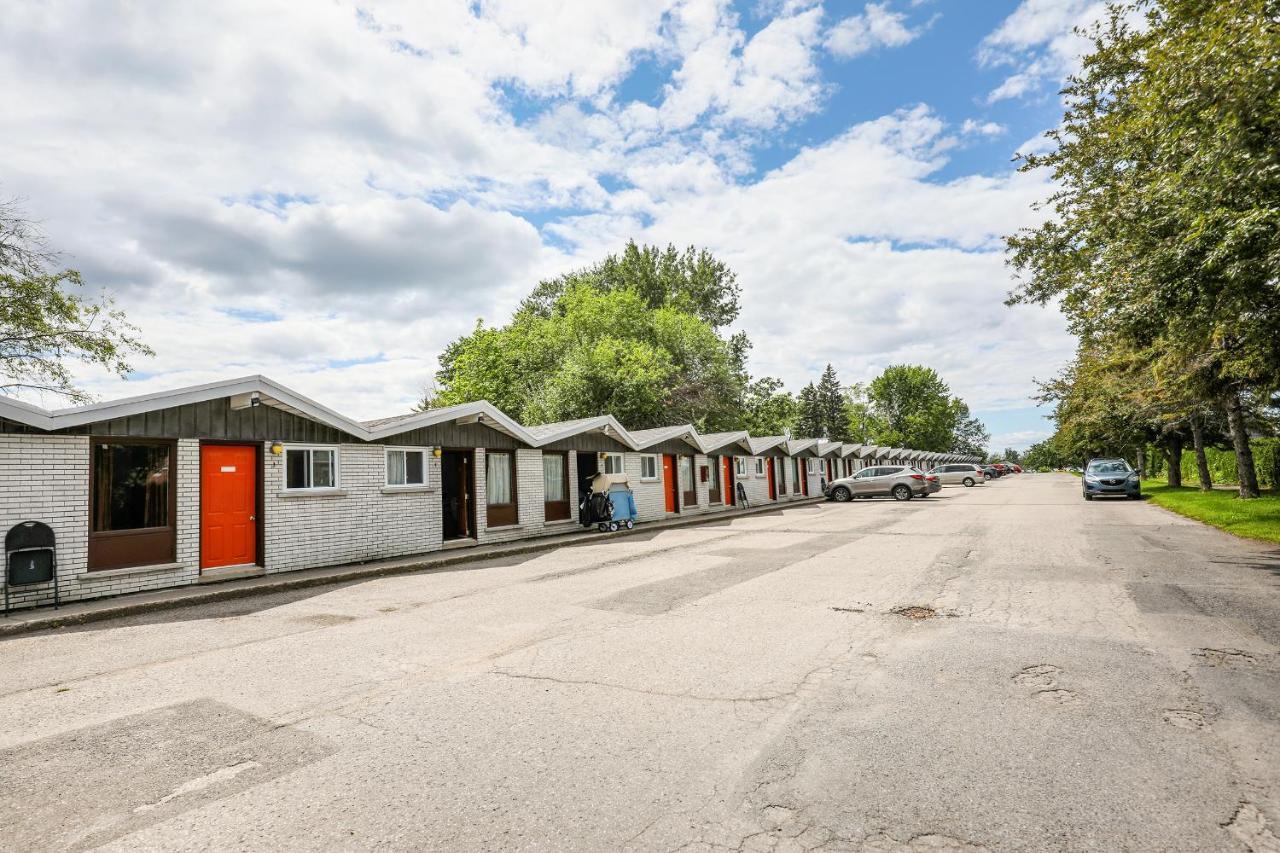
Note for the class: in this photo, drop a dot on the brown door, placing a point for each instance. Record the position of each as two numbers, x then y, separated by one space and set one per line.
773 488
714 480
669 481
555 484
457 494
689 496
228 505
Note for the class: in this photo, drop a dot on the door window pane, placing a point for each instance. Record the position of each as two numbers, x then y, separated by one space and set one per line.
131 486
498 477
553 477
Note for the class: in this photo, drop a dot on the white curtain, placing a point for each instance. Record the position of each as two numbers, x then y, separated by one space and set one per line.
396 474
498 481
553 477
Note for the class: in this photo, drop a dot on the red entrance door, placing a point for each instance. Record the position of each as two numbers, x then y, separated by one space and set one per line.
773 489
228 505
731 494
669 481
831 470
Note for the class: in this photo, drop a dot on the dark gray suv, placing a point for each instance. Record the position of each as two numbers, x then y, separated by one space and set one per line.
1110 477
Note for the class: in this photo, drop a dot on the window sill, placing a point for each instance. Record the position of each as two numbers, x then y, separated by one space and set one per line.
94 574
290 494
559 521
409 490
516 526
648 479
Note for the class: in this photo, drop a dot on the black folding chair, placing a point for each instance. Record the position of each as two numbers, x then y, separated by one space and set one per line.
30 557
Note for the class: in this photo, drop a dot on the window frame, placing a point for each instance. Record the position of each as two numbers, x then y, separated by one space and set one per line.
556 510
759 467
604 463
740 466
426 467
311 448
508 514
138 546
651 458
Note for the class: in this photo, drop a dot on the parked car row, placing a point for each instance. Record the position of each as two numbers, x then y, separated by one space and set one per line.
904 482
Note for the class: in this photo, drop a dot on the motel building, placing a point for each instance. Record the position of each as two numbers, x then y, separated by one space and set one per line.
246 477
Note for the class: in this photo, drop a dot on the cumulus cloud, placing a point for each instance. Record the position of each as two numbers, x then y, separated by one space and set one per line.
877 26
330 198
1039 41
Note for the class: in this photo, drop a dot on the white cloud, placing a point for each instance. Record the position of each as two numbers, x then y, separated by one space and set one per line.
877 26
973 127
1038 39
330 198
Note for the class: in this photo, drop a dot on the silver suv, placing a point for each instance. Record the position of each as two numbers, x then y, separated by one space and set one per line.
959 475
901 482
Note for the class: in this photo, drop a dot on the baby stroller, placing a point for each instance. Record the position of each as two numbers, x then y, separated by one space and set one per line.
608 503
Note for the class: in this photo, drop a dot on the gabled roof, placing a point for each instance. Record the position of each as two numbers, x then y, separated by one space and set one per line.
248 388
828 448
649 437
850 449
760 443
544 434
480 411
868 451
802 445
248 391
716 440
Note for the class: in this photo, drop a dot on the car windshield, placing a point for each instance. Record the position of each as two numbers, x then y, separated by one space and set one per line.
1109 466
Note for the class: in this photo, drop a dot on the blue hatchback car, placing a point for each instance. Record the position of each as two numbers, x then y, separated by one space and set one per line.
1110 477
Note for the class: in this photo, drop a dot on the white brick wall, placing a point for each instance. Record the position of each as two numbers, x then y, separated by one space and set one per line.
757 488
46 478
651 502
360 522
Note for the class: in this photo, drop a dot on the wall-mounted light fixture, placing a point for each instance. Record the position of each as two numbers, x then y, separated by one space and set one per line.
276 448
436 453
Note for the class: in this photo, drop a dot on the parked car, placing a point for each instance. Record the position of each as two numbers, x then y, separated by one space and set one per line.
901 482
1017 469
960 475
935 484
1002 467
1110 477
992 472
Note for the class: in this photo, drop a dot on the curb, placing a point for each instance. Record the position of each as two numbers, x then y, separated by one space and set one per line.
135 603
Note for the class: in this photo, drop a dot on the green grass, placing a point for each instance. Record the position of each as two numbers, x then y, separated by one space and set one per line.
1257 519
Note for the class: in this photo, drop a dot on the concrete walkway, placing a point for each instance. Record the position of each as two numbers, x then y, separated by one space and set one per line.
456 559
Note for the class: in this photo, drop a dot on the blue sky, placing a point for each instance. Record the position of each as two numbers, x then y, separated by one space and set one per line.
331 198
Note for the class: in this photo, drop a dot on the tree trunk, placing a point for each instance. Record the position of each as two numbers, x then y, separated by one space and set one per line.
1173 450
1142 462
1202 461
1248 477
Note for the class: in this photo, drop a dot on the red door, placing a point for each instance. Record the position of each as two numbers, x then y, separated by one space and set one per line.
768 469
228 505
731 494
669 481
831 470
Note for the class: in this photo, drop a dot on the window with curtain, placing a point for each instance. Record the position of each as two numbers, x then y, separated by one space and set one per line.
553 478
686 473
648 467
406 467
131 486
498 477
613 464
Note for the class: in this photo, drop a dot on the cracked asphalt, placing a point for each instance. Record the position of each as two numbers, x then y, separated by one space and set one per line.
1098 676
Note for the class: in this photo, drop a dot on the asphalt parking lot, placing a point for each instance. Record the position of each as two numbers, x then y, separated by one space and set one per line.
1002 668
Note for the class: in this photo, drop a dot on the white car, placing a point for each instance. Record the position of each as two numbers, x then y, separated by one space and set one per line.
960 475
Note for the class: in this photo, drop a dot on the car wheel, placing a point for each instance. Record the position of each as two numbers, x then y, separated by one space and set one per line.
968 482
1088 497
840 494
901 493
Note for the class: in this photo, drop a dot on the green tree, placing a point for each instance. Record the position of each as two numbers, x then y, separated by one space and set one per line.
862 423
768 409
1165 228
971 435
694 281
917 410
600 352
45 324
809 413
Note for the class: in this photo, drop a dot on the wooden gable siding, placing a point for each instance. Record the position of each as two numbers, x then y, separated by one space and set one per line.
589 442
676 446
454 435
